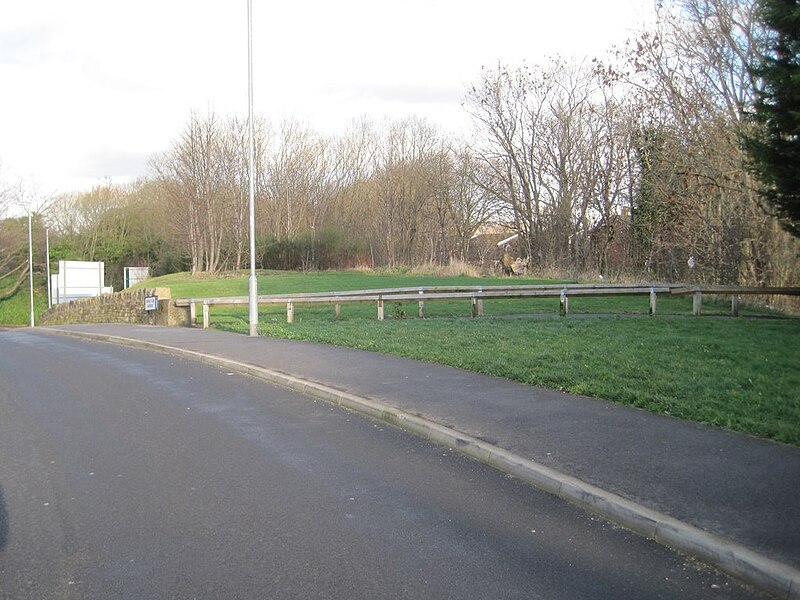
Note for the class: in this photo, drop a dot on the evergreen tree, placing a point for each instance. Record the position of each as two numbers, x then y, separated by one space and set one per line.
774 147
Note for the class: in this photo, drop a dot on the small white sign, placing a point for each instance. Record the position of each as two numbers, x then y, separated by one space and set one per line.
151 303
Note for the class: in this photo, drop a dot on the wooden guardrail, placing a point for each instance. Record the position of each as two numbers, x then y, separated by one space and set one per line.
477 294
730 290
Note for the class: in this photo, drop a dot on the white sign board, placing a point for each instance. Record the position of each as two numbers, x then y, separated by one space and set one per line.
78 279
151 303
133 275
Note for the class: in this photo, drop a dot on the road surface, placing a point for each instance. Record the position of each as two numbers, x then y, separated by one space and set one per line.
127 474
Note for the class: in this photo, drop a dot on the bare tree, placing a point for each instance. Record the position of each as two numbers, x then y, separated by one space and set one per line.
692 73
402 176
191 174
233 189
6 197
353 167
612 174
438 223
539 155
567 160
471 205
509 107
297 180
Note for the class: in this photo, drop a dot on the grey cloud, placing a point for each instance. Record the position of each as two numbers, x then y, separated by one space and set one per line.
403 93
25 46
113 164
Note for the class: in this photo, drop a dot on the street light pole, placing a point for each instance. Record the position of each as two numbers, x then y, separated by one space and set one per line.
30 260
47 251
253 288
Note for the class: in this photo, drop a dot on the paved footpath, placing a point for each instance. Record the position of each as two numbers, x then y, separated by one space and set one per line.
743 489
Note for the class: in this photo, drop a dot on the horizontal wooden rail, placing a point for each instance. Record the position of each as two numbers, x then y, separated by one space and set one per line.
477 294
369 295
730 290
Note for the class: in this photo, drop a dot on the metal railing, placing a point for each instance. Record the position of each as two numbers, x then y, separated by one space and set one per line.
477 294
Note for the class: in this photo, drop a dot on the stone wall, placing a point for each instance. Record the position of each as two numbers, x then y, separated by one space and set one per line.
122 307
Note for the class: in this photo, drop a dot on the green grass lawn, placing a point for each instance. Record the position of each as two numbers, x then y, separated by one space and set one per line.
741 374
17 309
285 282
184 285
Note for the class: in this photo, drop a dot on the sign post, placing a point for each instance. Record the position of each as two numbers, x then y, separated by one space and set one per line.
151 307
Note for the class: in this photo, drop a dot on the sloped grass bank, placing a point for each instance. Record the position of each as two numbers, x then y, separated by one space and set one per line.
741 374
16 310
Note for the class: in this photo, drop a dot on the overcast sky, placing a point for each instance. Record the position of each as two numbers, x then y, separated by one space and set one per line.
90 89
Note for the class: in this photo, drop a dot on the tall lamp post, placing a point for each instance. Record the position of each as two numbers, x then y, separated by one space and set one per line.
47 252
30 260
253 288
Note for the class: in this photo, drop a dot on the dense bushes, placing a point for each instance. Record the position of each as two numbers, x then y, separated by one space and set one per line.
328 249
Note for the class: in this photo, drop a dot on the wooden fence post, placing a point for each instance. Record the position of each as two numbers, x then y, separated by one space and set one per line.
192 313
735 305
564 304
338 309
474 306
697 303
653 301
206 317
290 312
380 309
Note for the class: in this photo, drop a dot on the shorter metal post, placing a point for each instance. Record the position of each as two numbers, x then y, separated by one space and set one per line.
564 304
697 303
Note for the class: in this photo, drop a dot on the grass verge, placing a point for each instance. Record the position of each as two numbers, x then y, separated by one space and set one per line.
739 374
16 310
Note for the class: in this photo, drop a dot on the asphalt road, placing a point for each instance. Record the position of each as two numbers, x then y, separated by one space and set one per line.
126 474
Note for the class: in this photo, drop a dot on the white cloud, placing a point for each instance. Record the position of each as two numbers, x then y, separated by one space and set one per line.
88 79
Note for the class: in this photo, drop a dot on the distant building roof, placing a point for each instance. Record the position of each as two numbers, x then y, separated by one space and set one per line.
508 240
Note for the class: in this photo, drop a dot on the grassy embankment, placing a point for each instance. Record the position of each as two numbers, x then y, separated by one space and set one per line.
741 374
16 310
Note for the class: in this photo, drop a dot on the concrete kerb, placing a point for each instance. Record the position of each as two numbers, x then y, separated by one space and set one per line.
767 574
